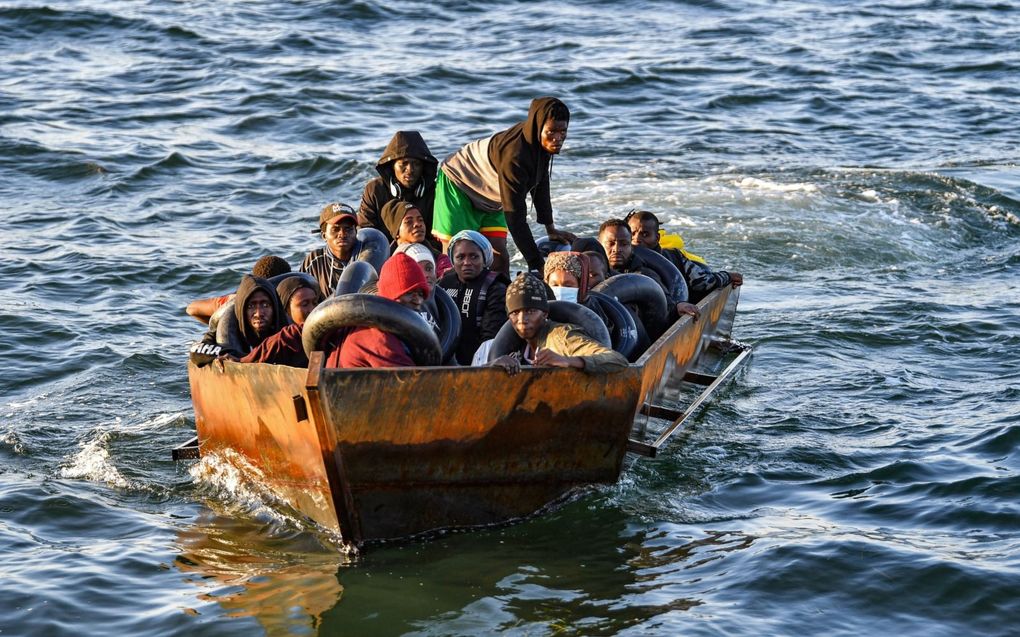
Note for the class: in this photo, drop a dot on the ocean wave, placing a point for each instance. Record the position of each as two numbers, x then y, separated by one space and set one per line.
93 463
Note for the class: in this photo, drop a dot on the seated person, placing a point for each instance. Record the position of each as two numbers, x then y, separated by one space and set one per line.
701 280
299 298
338 226
405 222
403 281
266 267
407 172
598 267
477 291
423 255
615 237
547 343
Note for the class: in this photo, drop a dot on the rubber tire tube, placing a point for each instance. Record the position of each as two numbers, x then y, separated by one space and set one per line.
355 276
375 248
228 332
645 293
368 310
672 278
625 333
448 316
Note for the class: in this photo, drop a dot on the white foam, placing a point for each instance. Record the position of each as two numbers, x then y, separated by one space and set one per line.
12 440
93 463
754 183
239 482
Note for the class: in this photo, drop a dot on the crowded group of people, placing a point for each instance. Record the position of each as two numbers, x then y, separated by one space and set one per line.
447 225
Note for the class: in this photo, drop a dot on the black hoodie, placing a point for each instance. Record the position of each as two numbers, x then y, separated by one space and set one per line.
522 166
250 285
384 188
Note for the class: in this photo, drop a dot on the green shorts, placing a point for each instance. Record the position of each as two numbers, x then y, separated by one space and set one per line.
453 212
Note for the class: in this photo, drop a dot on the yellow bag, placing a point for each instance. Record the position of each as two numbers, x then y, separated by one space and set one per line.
676 241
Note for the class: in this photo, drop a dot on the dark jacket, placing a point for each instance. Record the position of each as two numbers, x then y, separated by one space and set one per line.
701 279
322 264
482 303
523 167
636 265
282 348
384 188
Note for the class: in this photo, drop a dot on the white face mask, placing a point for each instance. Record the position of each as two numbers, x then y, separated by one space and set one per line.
565 294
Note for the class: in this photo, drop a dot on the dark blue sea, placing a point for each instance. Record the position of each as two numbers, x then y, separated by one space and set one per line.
857 162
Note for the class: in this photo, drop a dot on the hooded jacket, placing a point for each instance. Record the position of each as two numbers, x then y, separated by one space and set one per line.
384 188
701 279
250 285
520 165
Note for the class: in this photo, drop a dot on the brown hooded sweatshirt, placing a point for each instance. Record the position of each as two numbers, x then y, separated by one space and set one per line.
516 166
384 188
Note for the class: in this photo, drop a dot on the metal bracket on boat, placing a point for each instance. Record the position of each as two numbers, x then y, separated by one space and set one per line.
187 451
679 418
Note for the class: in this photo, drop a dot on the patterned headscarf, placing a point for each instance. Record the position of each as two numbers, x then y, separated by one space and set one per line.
476 238
572 262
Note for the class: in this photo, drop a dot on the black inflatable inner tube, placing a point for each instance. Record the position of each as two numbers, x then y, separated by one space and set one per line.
642 292
228 331
375 248
446 312
547 246
355 276
624 332
672 278
368 310
507 340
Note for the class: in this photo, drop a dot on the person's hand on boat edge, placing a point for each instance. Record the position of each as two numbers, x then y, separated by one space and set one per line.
689 309
509 363
548 358
736 279
561 236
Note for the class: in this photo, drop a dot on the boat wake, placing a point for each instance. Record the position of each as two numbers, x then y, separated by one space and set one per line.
93 463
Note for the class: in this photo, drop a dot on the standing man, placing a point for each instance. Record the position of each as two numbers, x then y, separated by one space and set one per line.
338 226
484 186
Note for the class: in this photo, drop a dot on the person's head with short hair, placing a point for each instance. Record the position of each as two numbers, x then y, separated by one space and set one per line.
471 254
615 237
269 266
402 280
423 256
404 221
598 268
644 228
338 225
527 305
299 297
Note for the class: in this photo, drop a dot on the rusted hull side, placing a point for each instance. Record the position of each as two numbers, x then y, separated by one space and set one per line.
676 350
427 449
249 410
401 452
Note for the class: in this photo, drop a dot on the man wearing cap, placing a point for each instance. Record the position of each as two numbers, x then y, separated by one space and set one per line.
402 281
547 343
339 227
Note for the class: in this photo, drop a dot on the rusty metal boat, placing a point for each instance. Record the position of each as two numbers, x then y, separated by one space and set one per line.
383 454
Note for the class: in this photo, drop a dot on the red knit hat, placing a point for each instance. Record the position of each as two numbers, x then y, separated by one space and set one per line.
401 274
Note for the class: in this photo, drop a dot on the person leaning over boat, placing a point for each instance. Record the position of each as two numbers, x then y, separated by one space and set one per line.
338 227
405 223
298 298
701 279
615 237
407 172
484 186
479 292
266 267
547 343
402 281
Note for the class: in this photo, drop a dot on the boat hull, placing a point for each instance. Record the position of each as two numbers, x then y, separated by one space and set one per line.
381 454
